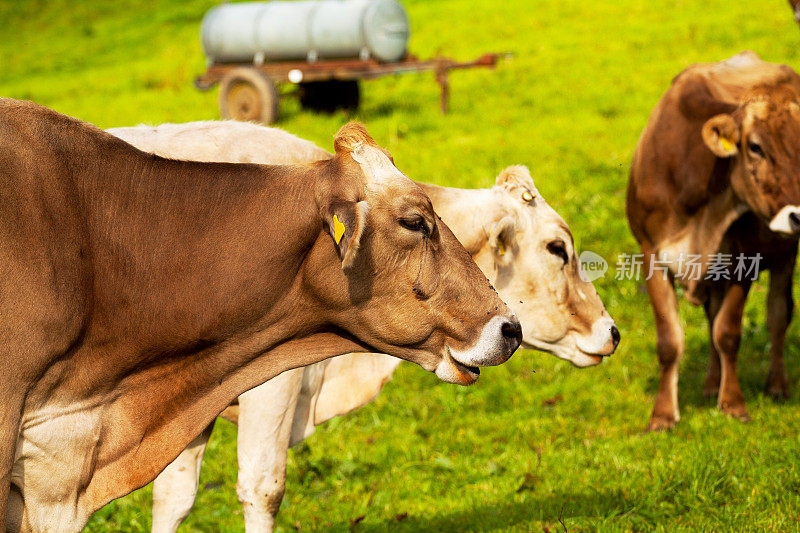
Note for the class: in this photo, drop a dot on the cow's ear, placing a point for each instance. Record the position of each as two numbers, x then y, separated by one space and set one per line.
721 135
345 222
501 239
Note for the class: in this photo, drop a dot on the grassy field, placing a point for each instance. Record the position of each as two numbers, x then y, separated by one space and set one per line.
536 445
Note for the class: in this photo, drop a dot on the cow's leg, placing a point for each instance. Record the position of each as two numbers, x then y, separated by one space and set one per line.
175 488
58 450
780 305
38 324
669 348
55 458
265 424
712 305
10 416
16 520
727 332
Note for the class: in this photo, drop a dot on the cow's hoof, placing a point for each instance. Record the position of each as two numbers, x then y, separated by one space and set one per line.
661 423
778 389
737 411
779 393
710 391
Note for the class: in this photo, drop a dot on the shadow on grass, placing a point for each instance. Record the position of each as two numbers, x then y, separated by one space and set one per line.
551 509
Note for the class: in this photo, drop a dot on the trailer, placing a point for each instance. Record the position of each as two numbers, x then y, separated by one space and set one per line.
249 91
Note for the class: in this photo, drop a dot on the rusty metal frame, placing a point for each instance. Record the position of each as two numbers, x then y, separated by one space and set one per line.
351 69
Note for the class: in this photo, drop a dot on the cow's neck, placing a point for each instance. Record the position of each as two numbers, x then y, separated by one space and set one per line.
204 251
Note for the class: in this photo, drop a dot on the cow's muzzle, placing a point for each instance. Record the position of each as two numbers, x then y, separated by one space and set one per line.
602 341
499 339
787 221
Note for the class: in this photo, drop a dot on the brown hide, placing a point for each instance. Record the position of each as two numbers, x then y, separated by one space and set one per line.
140 295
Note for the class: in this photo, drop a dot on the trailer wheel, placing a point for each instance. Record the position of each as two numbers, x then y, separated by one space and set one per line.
328 96
248 95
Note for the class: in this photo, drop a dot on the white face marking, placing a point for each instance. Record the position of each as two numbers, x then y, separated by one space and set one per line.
781 223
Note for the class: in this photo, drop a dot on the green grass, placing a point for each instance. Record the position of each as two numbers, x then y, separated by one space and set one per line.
570 105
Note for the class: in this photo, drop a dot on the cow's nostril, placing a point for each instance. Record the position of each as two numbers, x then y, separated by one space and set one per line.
512 331
615 336
794 221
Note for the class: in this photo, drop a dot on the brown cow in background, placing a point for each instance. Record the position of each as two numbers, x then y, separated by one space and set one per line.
717 171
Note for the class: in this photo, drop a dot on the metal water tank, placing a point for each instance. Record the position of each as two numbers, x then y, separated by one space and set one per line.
305 30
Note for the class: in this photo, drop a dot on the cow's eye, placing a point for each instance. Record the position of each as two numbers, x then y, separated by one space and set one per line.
755 149
415 223
559 249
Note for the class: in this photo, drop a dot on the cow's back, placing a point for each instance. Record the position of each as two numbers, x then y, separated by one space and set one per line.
211 141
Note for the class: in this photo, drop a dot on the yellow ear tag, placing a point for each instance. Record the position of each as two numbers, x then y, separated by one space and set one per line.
501 248
338 229
726 144
527 196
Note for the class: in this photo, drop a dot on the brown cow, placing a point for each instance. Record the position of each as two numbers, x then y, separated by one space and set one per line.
141 295
717 171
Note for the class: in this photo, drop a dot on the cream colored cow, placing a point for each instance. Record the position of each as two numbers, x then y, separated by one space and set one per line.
521 244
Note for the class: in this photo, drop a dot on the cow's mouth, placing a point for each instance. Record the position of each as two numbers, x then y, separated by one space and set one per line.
454 371
581 359
594 357
568 351
467 374
473 371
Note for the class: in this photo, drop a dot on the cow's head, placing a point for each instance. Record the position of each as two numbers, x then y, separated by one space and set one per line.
530 252
404 284
762 140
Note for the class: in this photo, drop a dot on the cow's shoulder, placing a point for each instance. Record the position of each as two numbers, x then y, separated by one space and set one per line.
46 135
17 118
